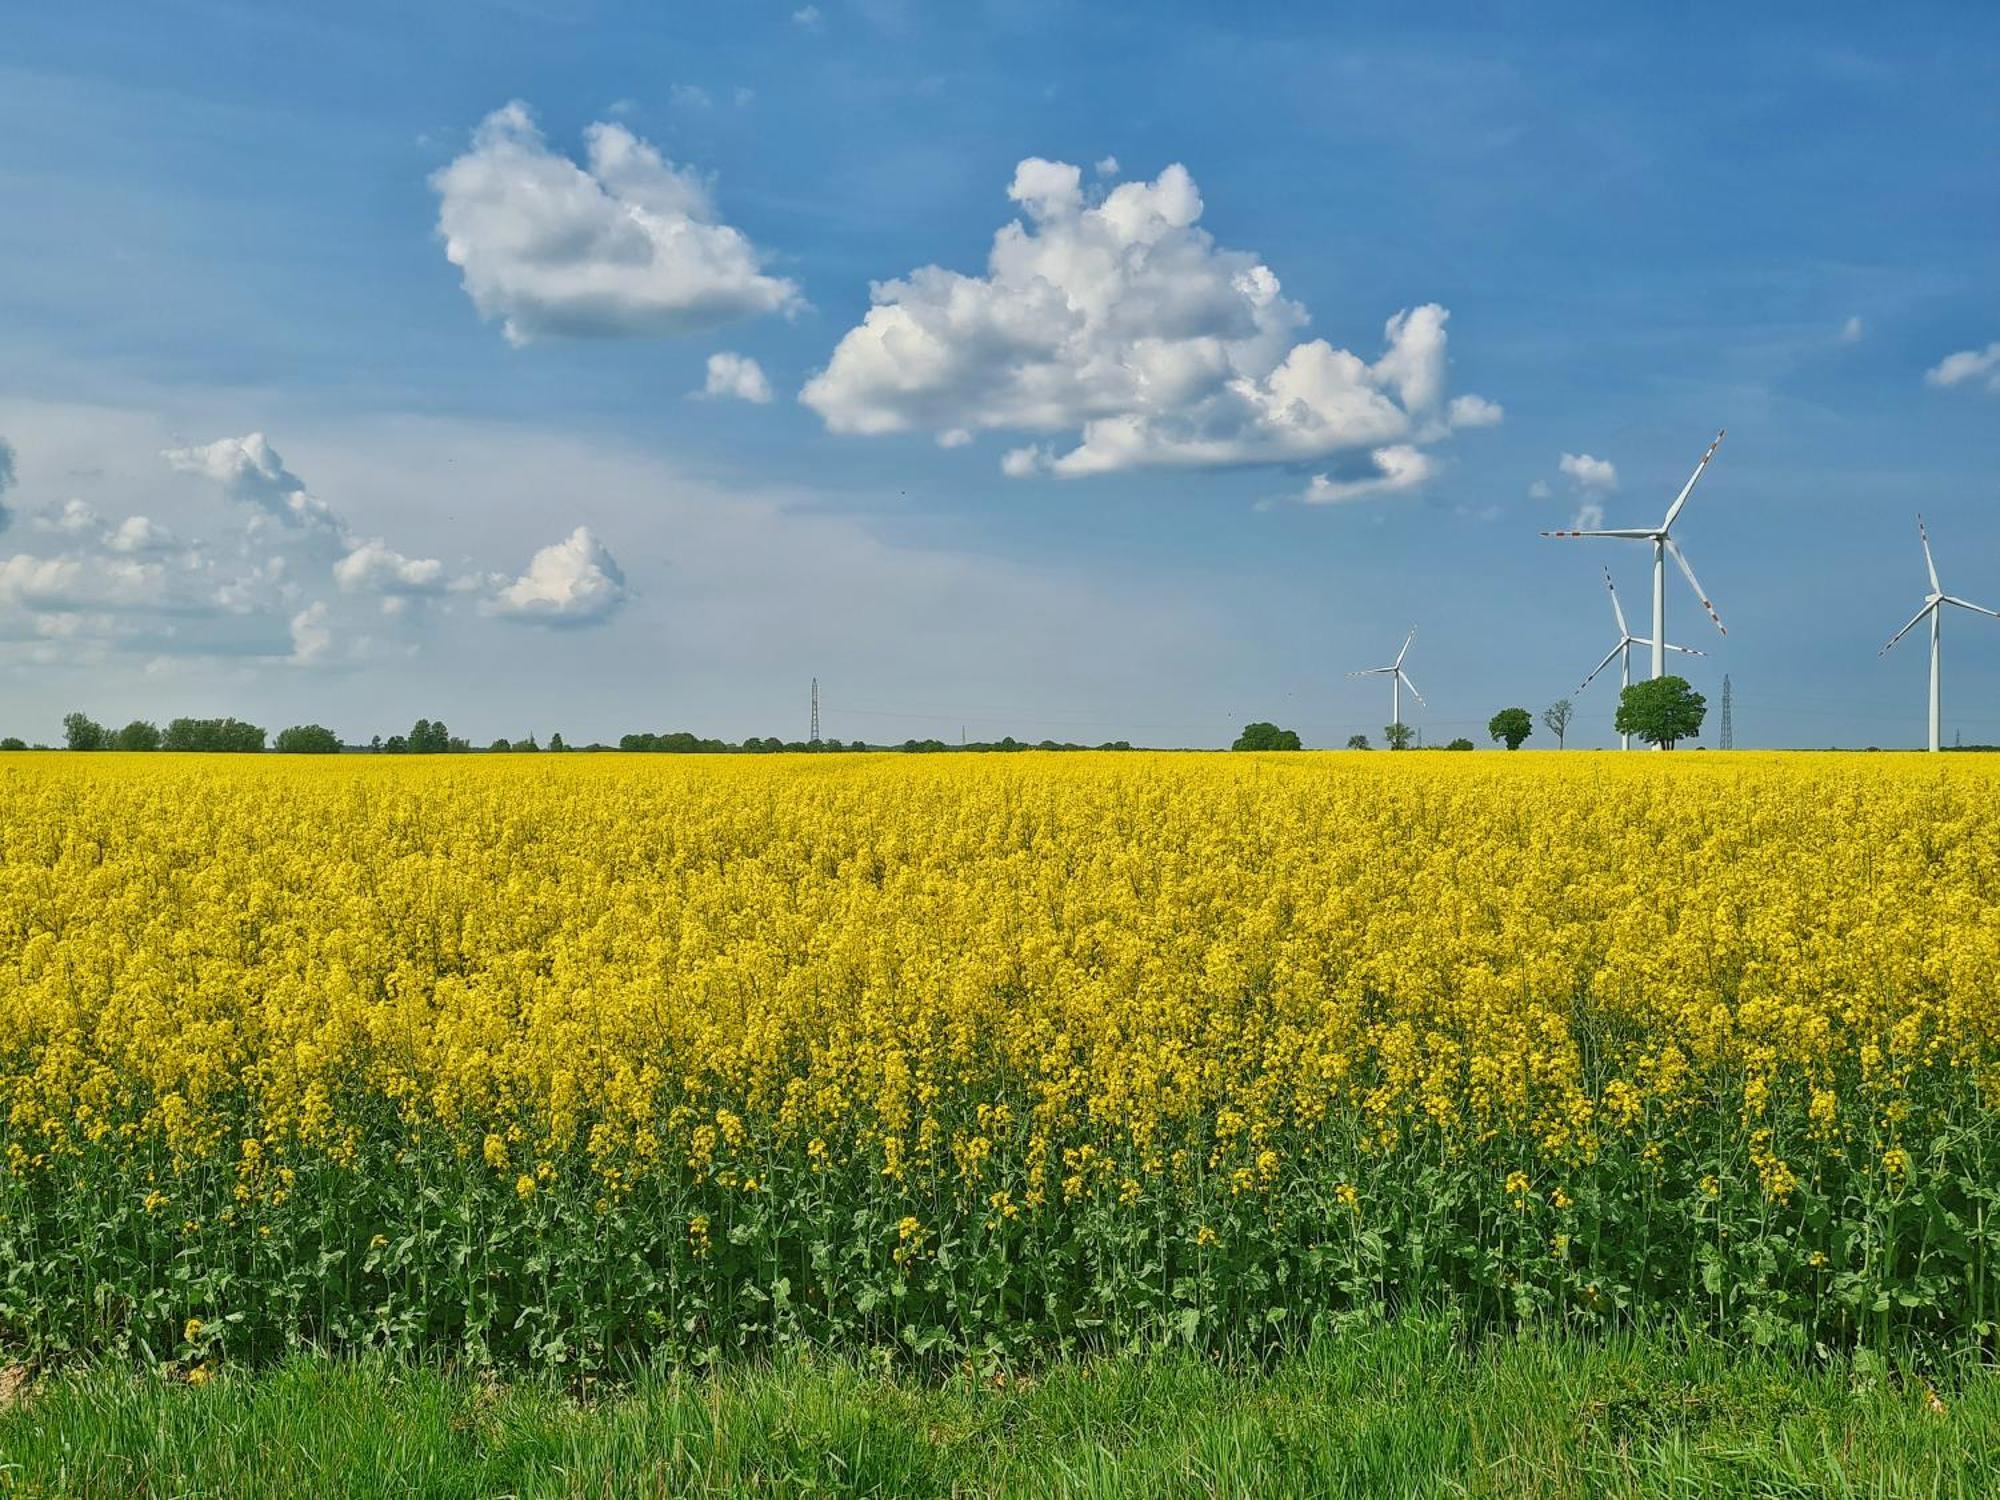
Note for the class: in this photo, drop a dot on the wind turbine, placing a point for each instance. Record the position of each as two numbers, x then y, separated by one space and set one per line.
1626 641
1398 679
1932 600
1663 544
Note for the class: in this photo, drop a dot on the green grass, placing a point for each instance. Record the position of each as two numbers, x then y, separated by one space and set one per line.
1407 1410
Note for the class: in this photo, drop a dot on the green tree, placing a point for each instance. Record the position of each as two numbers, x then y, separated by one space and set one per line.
498 747
1265 736
213 735
1461 743
307 739
1661 711
1399 735
556 743
81 732
138 735
1556 718
13 742
1358 742
1512 725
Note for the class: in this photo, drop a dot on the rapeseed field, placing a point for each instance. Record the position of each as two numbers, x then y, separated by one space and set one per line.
566 1061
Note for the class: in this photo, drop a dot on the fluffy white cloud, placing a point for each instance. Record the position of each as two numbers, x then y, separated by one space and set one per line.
1387 471
626 244
1587 473
737 376
1968 365
250 469
1474 411
140 534
374 567
806 18
78 523
1118 319
1851 331
572 582
39 583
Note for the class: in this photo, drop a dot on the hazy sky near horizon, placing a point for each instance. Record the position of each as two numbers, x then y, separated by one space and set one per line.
1069 372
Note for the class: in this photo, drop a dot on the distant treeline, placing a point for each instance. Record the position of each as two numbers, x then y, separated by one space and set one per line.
433 737
683 743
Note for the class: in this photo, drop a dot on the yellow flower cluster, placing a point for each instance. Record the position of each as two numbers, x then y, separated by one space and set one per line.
1011 981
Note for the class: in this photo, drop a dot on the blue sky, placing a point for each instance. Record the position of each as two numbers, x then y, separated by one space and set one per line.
227 220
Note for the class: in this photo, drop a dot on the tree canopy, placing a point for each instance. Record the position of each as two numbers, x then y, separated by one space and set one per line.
1266 736
212 734
1512 725
1399 735
307 739
81 732
1661 711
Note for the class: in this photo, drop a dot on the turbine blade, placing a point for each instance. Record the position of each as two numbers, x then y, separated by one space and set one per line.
1978 609
1609 657
1412 687
1616 608
1688 488
1685 650
1371 672
1695 583
1631 533
1925 537
1406 646
1909 627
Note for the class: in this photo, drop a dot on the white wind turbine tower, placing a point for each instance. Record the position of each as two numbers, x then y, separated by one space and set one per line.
1932 601
1398 680
1663 544
1626 641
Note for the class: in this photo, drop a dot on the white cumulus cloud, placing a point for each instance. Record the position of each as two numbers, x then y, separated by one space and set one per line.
1587 473
250 469
1474 411
1966 366
572 582
626 244
374 567
1113 325
736 376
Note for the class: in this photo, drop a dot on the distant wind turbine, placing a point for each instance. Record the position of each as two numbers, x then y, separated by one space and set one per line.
1626 641
1663 543
1398 680
1932 600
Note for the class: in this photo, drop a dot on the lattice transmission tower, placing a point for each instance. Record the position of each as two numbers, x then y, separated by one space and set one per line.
1728 729
813 738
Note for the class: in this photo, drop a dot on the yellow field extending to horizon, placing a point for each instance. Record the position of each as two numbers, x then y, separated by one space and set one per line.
546 1057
